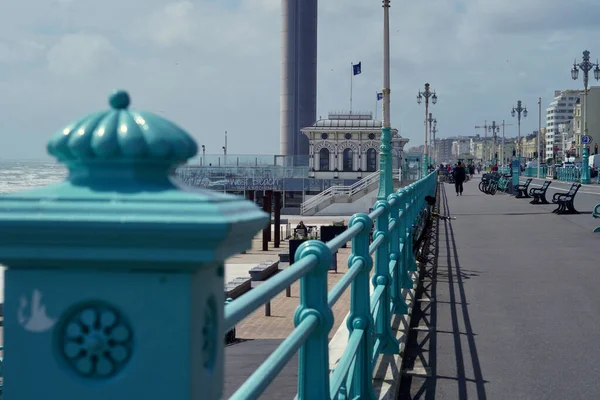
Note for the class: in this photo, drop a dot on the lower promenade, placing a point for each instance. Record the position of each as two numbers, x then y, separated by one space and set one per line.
514 301
258 335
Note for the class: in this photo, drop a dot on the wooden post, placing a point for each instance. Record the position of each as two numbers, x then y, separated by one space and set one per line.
277 216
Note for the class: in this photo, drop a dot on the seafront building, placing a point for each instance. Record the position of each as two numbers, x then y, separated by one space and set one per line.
559 112
343 151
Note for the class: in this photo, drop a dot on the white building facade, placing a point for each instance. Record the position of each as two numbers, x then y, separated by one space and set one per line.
347 146
559 112
462 145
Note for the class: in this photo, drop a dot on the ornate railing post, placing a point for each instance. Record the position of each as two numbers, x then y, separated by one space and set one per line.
360 311
114 286
381 277
399 305
313 356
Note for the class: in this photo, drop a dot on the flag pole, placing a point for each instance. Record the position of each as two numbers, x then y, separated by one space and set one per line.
376 104
351 77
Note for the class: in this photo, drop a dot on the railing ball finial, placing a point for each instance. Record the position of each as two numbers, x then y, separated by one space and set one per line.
119 100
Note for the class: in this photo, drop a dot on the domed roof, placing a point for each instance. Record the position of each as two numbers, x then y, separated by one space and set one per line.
120 134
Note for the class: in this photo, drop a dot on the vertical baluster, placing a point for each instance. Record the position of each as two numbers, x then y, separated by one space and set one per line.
360 310
399 306
381 277
313 356
410 220
405 256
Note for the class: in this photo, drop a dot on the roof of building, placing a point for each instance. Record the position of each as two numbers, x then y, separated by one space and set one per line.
347 124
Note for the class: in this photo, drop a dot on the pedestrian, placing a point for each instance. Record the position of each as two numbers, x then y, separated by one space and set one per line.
459 177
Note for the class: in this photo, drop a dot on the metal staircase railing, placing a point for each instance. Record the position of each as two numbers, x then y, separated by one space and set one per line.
343 191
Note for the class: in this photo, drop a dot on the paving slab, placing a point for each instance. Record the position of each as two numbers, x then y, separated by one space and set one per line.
515 304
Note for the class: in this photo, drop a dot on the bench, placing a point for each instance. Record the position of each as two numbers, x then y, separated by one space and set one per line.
539 194
522 190
565 201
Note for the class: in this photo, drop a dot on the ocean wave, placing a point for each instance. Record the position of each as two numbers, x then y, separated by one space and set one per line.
19 176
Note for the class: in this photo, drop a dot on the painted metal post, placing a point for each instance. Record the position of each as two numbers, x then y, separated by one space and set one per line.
360 311
118 268
585 166
516 171
398 304
405 257
381 277
313 356
409 220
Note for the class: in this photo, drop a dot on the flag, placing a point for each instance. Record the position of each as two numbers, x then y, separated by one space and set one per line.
356 69
379 96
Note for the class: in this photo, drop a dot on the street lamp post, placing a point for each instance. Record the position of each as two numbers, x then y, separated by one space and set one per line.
426 94
203 155
431 155
516 164
494 129
386 185
586 66
434 142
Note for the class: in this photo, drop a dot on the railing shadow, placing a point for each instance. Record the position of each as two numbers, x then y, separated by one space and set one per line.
421 376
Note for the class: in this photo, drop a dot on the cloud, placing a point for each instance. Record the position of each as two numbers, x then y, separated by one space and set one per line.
81 55
214 65
21 52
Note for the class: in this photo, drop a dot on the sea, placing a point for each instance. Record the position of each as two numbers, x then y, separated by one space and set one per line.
16 176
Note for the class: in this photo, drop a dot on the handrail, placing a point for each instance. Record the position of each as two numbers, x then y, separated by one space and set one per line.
344 190
397 220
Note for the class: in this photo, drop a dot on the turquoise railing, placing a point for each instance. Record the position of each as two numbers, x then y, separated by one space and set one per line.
369 322
531 172
120 265
568 174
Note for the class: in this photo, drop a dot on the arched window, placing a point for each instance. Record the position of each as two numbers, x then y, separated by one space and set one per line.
348 156
324 159
371 160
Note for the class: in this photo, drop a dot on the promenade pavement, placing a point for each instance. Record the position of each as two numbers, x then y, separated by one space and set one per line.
510 300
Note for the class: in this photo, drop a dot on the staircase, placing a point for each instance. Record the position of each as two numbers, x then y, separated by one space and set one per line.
343 194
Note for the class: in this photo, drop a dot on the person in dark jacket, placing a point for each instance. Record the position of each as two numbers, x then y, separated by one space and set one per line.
459 177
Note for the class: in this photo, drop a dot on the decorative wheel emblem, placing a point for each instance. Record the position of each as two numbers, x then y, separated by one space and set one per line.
96 341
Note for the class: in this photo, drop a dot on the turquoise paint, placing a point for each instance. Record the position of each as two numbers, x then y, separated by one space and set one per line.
398 304
119 260
585 167
381 277
313 357
360 310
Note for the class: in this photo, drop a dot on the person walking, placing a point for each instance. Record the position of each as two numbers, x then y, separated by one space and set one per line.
459 178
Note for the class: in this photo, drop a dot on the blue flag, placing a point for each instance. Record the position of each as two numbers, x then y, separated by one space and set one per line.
379 96
356 69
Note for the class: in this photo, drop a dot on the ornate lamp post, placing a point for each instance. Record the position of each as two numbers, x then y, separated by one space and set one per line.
434 130
516 164
386 185
426 94
431 154
586 66
495 129
518 111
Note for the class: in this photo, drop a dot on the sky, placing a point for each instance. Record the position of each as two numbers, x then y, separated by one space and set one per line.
214 65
